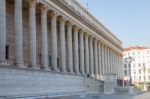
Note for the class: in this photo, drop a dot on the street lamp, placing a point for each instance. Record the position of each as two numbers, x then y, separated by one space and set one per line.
144 70
130 59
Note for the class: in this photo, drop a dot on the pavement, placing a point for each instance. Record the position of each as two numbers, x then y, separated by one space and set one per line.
104 96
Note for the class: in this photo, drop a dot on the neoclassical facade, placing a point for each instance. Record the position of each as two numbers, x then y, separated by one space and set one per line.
56 37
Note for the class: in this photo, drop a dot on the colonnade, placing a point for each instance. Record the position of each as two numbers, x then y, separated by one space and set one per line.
81 52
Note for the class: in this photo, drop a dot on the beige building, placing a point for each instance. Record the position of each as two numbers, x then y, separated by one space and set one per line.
138 68
54 46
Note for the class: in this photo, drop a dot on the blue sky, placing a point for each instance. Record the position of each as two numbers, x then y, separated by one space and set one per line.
129 20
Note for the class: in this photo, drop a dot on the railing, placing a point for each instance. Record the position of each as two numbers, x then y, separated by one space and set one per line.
83 12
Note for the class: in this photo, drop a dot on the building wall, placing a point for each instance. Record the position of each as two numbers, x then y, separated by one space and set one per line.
140 65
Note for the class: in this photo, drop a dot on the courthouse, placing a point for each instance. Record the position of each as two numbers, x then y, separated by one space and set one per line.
50 47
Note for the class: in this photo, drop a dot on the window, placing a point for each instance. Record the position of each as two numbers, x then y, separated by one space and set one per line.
139 53
125 65
134 71
129 65
144 77
147 51
139 77
143 64
148 77
124 54
139 64
129 54
133 64
125 72
139 71
133 53
148 70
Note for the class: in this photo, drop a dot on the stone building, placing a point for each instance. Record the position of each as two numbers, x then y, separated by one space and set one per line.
54 47
138 68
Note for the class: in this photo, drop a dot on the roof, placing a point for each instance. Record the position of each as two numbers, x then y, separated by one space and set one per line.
130 48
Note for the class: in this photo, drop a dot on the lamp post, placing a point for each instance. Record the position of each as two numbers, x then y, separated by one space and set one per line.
130 59
144 70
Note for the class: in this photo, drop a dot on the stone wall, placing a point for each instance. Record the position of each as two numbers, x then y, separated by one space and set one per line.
28 82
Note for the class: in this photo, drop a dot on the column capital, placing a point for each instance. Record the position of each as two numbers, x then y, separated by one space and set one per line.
53 14
61 19
95 40
69 23
75 27
87 34
32 2
44 8
81 31
91 36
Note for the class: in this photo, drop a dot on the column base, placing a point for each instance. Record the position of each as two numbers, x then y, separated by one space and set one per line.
20 65
4 63
46 69
92 75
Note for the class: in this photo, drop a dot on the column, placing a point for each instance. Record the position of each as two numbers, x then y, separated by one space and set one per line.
107 69
111 61
87 53
44 41
115 66
32 28
102 58
76 51
54 40
2 32
108 57
81 52
95 58
99 59
69 48
91 57
18 34
62 45
105 55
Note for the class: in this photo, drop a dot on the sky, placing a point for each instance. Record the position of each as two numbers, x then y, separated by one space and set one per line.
129 20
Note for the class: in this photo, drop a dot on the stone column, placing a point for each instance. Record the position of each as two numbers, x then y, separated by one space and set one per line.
32 26
54 40
95 58
81 52
107 64
2 32
105 55
102 58
18 34
44 41
99 59
76 51
108 57
62 45
87 53
69 48
111 61
115 66
91 57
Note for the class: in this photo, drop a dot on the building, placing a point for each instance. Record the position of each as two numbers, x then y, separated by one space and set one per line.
137 65
50 47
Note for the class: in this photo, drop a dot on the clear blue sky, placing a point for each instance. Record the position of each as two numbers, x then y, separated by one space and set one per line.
129 20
